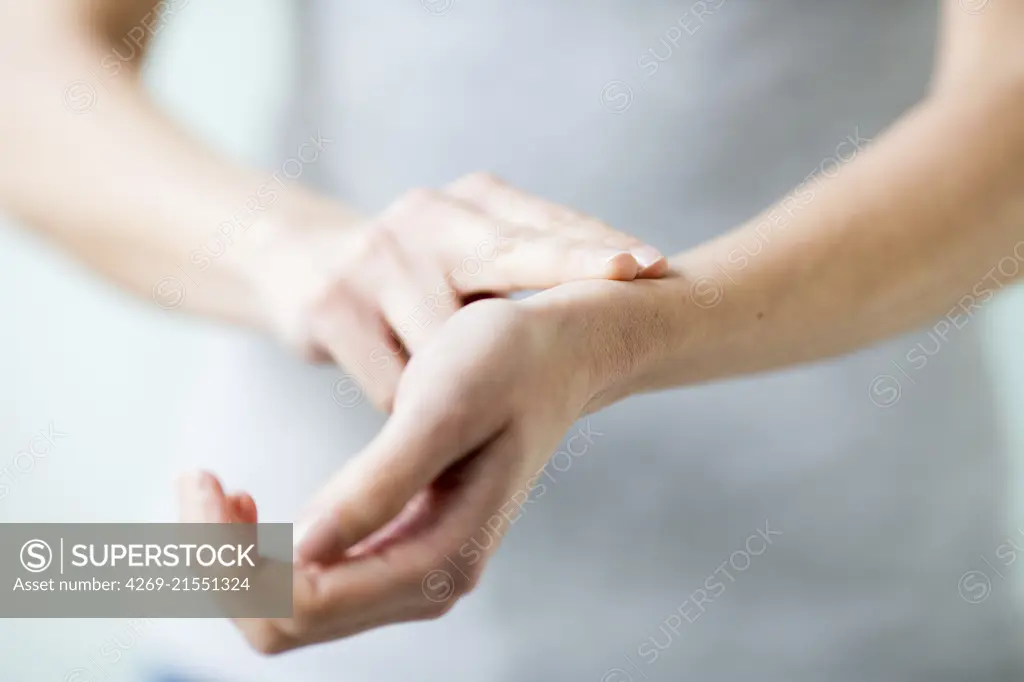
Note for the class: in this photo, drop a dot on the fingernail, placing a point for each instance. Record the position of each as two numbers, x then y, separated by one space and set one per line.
645 255
615 257
616 264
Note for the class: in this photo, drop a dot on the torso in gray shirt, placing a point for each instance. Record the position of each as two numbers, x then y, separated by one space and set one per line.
799 527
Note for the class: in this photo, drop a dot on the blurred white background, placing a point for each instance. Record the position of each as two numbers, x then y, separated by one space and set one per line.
110 372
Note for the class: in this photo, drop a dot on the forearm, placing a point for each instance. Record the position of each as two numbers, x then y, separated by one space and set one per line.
912 229
125 189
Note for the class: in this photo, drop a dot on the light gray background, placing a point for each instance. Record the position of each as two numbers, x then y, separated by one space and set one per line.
112 372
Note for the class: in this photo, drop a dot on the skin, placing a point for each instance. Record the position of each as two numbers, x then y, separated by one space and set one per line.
913 228
196 231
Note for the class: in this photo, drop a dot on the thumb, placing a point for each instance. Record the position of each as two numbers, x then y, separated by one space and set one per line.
409 453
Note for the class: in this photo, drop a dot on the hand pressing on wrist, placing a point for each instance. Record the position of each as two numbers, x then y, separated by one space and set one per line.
477 413
371 296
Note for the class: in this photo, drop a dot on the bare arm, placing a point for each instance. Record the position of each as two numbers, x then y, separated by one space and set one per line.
912 228
916 226
928 221
90 162
119 185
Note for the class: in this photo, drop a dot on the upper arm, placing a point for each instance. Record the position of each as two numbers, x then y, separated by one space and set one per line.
982 43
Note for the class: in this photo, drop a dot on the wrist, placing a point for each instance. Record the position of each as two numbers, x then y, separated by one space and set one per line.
291 263
615 334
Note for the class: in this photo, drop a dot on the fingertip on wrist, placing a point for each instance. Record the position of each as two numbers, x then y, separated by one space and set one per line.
625 265
648 257
618 265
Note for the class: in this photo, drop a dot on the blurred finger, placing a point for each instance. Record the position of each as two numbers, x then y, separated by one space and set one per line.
446 540
362 343
201 499
537 259
410 452
241 508
468 242
417 301
342 600
513 205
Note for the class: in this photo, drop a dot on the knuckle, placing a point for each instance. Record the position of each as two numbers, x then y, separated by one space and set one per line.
561 246
345 288
467 581
415 200
381 238
465 578
586 227
440 590
362 247
476 184
616 238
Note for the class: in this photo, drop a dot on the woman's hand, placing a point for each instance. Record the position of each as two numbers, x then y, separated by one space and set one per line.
477 413
369 297
480 409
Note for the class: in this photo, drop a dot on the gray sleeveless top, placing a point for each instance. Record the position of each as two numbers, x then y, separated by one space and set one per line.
833 522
